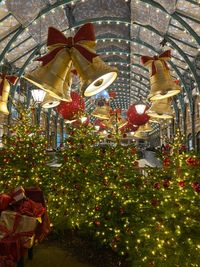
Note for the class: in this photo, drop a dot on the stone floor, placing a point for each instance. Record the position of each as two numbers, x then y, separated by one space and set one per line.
53 256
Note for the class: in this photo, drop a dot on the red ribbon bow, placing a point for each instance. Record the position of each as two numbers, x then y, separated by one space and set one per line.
9 78
31 208
59 41
162 57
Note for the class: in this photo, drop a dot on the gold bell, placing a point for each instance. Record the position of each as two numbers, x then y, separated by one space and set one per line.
161 81
102 112
95 76
50 102
52 76
4 96
146 128
161 109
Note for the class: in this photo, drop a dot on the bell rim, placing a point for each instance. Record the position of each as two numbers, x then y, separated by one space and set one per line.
158 95
93 92
163 116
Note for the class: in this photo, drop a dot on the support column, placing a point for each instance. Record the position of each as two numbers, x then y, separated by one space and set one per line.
193 124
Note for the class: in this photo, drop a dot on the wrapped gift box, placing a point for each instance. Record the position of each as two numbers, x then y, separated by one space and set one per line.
17 225
18 194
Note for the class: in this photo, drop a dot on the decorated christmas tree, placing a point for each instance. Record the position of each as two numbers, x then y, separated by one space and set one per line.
96 189
23 156
170 235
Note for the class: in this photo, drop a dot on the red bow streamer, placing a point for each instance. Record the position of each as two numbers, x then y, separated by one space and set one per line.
59 41
9 78
162 57
177 82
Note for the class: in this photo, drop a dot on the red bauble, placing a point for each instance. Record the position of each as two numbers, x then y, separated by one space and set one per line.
181 183
5 200
97 223
166 183
135 118
97 208
156 185
77 186
155 202
70 110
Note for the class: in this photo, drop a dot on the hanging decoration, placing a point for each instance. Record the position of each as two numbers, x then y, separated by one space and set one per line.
102 109
135 118
71 110
162 84
95 75
5 81
161 109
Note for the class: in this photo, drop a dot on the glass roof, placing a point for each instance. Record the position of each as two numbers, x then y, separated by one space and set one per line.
125 30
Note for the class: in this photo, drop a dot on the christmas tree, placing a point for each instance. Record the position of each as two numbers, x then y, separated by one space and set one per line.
23 156
96 188
170 235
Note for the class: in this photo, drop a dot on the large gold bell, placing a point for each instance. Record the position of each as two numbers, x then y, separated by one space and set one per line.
4 97
146 128
102 112
161 109
162 84
95 76
51 77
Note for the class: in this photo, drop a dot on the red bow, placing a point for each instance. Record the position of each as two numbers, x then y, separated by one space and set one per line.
162 57
59 41
9 78
31 208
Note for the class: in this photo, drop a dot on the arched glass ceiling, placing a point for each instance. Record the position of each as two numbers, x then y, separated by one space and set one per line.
125 30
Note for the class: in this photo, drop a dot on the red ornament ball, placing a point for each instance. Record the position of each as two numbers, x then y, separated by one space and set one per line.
181 183
70 110
135 118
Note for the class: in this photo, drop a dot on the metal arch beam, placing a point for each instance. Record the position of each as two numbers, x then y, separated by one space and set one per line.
21 28
176 17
